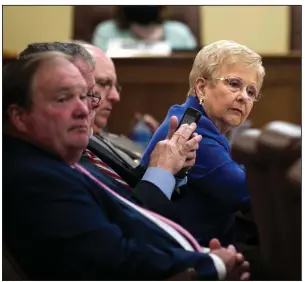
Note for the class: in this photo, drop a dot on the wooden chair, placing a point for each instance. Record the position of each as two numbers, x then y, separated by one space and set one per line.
267 154
279 147
294 225
244 151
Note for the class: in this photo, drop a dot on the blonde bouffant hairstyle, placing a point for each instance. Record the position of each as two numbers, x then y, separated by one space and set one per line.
211 58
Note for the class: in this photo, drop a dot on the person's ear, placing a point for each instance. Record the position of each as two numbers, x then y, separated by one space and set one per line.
17 117
200 85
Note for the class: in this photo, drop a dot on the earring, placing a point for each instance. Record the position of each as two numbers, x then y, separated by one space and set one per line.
201 100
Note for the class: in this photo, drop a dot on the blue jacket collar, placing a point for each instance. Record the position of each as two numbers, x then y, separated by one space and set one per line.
205 123
193 102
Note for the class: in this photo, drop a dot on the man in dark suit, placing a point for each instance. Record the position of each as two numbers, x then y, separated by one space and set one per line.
106 86
107 89
59 221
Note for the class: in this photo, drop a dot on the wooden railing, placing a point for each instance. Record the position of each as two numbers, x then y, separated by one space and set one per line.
152 85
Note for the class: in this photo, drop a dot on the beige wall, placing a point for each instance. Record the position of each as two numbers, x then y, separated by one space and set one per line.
262 28
26 24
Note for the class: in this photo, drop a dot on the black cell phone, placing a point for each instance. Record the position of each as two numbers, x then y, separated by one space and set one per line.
190 115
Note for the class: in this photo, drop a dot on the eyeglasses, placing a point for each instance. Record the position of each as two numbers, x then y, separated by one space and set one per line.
94 97
237 84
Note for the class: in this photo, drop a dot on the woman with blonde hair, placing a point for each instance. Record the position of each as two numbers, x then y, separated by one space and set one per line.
225 82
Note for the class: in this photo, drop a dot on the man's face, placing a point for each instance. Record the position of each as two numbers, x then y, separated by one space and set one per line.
106 80
59 119
86 71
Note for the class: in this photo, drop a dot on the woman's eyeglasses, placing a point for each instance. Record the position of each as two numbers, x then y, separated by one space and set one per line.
237 84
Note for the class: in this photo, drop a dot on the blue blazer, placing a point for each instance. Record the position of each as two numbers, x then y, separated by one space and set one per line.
60 225
216 186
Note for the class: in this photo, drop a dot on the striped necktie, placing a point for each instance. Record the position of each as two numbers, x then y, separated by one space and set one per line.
182 236
105 168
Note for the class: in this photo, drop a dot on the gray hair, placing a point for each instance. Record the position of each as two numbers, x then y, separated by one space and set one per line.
68 48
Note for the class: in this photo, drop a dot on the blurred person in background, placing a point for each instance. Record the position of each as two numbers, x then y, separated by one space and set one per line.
144 23
143 128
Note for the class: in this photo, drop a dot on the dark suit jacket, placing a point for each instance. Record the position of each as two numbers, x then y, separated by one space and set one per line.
123 143
61 225
145 193
108 144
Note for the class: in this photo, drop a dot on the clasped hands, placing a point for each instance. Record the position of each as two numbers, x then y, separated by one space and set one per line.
236 266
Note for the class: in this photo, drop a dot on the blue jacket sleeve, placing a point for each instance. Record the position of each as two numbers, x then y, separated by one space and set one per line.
219 177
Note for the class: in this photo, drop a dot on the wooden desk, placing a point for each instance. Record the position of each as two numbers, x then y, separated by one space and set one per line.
152 85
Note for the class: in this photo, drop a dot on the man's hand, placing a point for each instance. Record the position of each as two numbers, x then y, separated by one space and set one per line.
171 153
214 244
237 268
191 156
240 271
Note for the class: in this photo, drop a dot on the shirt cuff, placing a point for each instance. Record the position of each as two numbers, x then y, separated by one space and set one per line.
205 250
220 266
163 179
180 182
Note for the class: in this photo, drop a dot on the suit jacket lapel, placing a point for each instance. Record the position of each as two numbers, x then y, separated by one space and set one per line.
120 155
112 184
123 169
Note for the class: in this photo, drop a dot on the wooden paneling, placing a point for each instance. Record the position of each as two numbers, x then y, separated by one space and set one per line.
296 28
152 85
